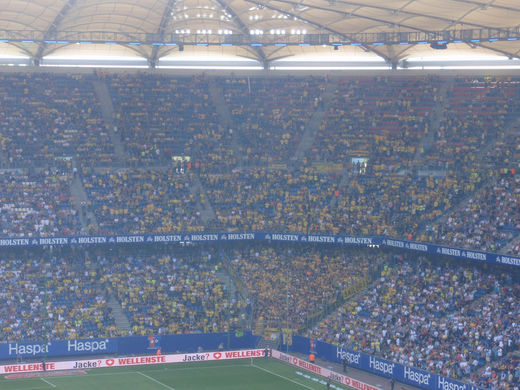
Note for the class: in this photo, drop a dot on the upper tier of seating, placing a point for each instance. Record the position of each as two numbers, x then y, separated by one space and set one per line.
393 155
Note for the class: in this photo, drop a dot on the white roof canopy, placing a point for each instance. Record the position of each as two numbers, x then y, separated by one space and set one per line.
263 31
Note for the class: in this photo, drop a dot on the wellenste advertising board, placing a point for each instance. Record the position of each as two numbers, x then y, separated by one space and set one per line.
131 361
322 371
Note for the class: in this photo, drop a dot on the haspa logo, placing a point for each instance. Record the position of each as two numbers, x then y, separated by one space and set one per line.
295 361
217 355
109 362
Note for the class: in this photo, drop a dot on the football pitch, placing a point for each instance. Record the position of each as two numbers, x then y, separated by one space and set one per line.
243 374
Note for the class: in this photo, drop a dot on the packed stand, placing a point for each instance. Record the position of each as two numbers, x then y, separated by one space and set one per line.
51 297
160 118
260 199
271 114
441 317
48 119
36 203
141 201
490 217
380 118
393 205
291 285
475 117
168 292
486 221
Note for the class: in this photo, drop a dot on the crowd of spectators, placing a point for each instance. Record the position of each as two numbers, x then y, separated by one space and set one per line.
271 114
36 203
141 201
378 128
290 285
261 199
49 297
453 320
171 291
163 117
487 220
379 118
48 119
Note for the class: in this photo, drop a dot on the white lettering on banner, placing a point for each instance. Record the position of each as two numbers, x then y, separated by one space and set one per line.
328 239
54 241
90 346
475 255
450 252
358 240
91 240
27 349
129 239
445 384
284 237
14 241
168 238
508 260
204 237
351 358
381 366
395 243
128 361
324 372
417 376
240 236
418 247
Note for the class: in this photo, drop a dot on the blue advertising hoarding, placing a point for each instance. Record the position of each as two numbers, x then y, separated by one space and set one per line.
127 345
370 241
378 366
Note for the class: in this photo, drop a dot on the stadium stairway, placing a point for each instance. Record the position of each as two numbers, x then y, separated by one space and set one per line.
80 202
120 317
268 343
344 182
314 124
207 212
223 111
108 113
437 116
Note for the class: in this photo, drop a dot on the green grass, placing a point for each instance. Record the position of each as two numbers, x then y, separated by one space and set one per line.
247 374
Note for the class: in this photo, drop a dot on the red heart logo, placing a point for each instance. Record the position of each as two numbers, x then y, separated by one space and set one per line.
109 362
217 355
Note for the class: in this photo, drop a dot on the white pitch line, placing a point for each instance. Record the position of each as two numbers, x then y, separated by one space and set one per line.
155 380
281 376
49 383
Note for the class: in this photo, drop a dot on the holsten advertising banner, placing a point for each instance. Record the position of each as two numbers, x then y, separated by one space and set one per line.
370 241
378 366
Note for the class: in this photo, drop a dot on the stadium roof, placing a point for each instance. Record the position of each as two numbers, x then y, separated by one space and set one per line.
260 33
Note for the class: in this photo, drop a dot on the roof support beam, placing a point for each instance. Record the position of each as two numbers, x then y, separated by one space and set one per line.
53 28
385 21
510 55
488 5
245 30
319 26
166 17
